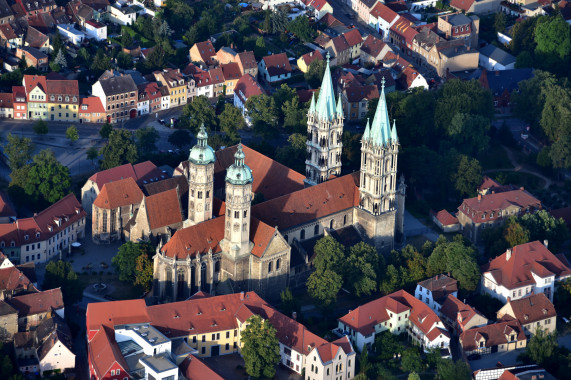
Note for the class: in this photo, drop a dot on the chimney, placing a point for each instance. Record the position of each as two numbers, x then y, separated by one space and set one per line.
242 296
479 197
508 254
546 243
522 188
294 316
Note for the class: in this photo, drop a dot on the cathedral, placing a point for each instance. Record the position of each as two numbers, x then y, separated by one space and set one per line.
252 241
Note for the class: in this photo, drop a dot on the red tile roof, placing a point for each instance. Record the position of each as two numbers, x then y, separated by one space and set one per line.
311 56
64 87
116 313
193 368
403 28
533 308
365 317
457 311
163 209
206 51
329 350
340 44
31 81
463 5
479 209
380 10
93 104
310 203
445 218
316 4
216 75
524 260
231 71
494 334
118 194
36 303
12 279
277 64
331 22
353 37
5 207
359 93
372 45
246 60
104 352
246 87
144 171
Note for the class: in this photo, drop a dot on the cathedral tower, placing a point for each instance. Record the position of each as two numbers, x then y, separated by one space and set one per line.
238 201
378 181
200 180
324 134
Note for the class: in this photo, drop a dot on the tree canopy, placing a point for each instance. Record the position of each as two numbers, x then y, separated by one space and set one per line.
125 262
180 138
48 180
119 150
261 350
458 259
18 150
72 134
198 112
60 274
146 140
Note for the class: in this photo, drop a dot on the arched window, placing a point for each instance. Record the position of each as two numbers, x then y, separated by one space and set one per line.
278 264
270 267
316 229
302 235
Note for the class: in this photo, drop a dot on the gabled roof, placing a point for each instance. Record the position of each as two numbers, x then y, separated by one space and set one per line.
116 84
479 209
141 172
35 38
116 313
93 104
457 311
440 285
277 64
36 303
329 350
353 37
445 218
381 11
310 203
246 87
311 56
463 5
514 268
497 54
404 28
104 352
231 71
533 308
373 46
118 194
163 209
504 80
493 335
63 87
246 60
206 51
12 279
193 368
358 93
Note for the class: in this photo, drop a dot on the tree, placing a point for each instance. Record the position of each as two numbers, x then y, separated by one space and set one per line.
387 345
180 138
295 115
261 350
447 369
231 121
197 113
119 150
146 139
365 365
500 22
125 262
18 150
281 96
467 176
314 74
543 226
329 255
323 286
301 28
60 59
457 258
279 21
48 180
92 154
391 280
293 154
553 37
542 346
106 130
143 272
101 62
413 376
468 133
71 133
262 112
363 264
60 274
289 303
124 60
260 49
411 360
41 128
516 234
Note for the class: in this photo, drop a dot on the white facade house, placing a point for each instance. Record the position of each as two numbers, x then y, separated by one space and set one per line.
143 106
53 354
335 360
96 30
245 88
382 18
71 34
523 270
493 58
398 313
122 15
434 291
275 68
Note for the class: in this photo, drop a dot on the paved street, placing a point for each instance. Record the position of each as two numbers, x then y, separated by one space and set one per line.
489 361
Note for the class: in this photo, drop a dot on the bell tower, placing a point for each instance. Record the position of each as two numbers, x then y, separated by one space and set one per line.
324 134
238 201
377 211
200 180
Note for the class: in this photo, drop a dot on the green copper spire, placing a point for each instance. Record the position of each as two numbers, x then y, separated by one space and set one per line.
339 107
202 153
326 99
239 173
312 106
381 127
394 137
367 132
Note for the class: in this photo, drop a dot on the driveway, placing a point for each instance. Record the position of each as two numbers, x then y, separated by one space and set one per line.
414 227
489 361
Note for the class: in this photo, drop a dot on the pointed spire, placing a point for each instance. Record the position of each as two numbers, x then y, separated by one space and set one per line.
394 137
202 136
367 133
325 106
381 126
312 106
239 156
339 107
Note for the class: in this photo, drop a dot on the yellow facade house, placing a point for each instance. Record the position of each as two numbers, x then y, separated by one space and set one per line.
174 81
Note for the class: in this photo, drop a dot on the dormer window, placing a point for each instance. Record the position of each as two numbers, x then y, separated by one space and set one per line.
2 244
26 237
37 234
75 99
59 98
12 243
52 98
